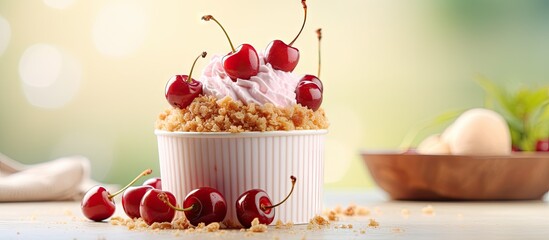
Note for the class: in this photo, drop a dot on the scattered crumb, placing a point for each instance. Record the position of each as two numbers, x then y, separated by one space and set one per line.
280 225
397 230
344 226
317 223
212 227
332 216
428 210
362 231
350 211
257 227
181 223
373 223
164 225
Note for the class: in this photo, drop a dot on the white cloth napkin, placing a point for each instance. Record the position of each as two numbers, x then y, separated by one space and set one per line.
66 178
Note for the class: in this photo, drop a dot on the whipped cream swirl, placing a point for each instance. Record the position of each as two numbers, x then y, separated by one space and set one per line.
268 86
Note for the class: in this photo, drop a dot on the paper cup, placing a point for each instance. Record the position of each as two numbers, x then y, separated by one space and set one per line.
236 162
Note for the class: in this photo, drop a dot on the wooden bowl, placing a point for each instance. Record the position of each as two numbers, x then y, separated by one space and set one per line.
411 176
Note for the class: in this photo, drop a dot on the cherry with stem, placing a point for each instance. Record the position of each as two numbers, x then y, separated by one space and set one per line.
98 204
255 203
201 205
181 90
284 56
309 89
240 63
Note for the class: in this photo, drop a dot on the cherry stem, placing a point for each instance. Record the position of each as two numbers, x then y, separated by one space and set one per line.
263 207
164 198
304 20
190 79
319 36
210 17
144 173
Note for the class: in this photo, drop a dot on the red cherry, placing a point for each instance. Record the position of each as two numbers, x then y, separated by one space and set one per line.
181 90
206 205
242 62
98 204
255 203
154 182
314 79
283 56
131 199
542 145
308 94
202 205
153 207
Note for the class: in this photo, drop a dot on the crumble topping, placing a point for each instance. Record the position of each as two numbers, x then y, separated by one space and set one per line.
208 114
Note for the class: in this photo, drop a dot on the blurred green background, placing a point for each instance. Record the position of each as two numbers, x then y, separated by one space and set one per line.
87 77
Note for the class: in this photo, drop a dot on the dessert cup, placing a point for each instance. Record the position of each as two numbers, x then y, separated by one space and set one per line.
236 162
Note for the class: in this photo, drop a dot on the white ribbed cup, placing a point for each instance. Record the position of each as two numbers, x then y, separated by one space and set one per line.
236 162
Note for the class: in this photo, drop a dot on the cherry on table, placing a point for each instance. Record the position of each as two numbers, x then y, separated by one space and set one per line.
284 56
153 207
98 204
255 203
131 199
154 182
202 205
242 62
181 90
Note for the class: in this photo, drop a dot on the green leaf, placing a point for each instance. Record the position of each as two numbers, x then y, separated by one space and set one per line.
495 93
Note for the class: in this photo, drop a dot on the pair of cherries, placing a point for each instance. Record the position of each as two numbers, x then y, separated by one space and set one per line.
201 205
98 204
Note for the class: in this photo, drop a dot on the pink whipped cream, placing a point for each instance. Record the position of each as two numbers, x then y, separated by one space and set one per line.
268 86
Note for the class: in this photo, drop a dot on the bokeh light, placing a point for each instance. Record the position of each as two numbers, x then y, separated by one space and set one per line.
50 77
120 28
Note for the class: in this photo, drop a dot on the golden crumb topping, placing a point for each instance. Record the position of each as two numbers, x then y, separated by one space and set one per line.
207 114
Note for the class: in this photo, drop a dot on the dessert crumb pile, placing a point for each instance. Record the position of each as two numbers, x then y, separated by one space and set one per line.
207 114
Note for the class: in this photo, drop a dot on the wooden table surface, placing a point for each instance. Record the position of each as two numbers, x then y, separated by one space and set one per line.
450 220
